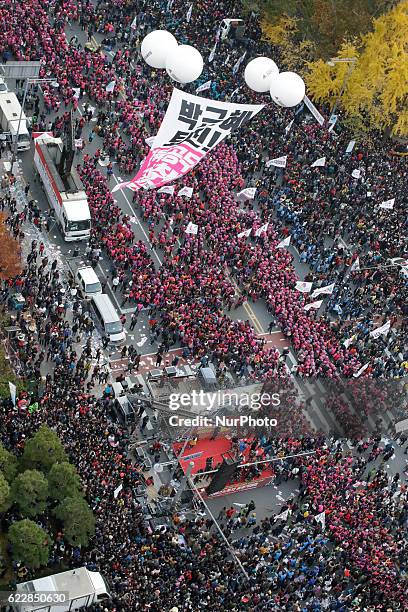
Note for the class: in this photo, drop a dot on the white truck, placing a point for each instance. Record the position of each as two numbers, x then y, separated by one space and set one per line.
62 592
64 189
13 121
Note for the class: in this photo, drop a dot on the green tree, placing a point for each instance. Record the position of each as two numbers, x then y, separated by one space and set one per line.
30 491
5 498
30 544
43 450
8 464
64 481
78 520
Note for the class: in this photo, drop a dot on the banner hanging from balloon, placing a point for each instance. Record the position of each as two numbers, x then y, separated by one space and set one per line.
191 128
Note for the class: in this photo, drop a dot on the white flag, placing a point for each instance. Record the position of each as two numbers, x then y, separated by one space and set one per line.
133 25
212 54
238 63
245 233
388 204
319 162
381 331
350 146
315 305
279 162
117 490
321 518
77 92
288 127
349 341
331 127
188 16
356 173
355 267
191 228
166 189
361 370
78 143
204 87
283 515
284 243
186 191
303 286
149 141
262 229
246 194
110 87
327 290
13 392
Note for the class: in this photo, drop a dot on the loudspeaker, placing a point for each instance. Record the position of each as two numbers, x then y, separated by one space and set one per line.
224 473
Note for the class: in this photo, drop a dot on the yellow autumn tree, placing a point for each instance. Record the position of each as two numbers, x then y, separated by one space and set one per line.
294 51
375 86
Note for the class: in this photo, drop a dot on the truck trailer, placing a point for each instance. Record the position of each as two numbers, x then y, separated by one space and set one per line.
64 188
67 591
13 121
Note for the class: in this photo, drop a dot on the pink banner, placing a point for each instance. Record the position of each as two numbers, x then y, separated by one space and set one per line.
165 164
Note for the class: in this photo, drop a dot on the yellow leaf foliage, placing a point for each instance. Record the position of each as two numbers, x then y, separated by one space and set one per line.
377 86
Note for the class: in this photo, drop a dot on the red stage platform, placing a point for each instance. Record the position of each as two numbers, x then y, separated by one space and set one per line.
215 449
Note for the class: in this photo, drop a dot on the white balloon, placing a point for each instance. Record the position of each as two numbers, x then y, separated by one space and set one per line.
184 64
287 89
156 46
259 73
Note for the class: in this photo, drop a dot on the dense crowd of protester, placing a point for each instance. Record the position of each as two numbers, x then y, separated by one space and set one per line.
358 560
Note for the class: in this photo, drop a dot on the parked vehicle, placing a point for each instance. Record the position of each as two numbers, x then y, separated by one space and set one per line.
108 319
86 279
64 189
72 590
13 121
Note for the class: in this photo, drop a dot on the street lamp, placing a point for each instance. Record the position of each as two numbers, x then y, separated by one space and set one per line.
342 60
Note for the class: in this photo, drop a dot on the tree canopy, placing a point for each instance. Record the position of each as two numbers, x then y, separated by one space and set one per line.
78 520
64 481
5 497
30 492
43 450
8 463
30 544
377 88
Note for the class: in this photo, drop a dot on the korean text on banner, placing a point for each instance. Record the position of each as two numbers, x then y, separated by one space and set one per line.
279 162
191 128
318 116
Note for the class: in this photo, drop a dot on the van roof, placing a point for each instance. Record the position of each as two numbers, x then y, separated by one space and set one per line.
88 275
106 308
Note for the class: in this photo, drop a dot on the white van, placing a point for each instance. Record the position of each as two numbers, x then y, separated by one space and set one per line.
88 282
108 319
230 26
